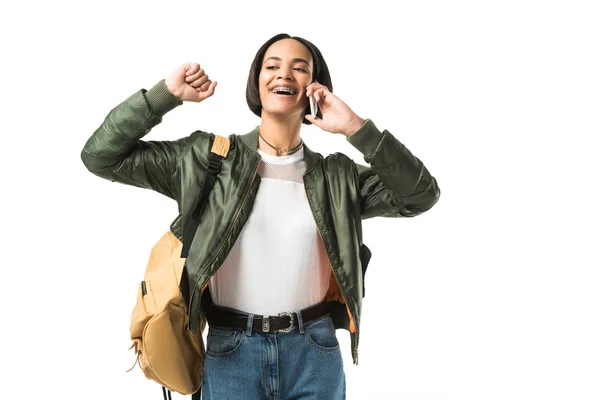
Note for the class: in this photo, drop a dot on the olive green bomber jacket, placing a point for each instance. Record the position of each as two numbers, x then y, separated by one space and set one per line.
340 192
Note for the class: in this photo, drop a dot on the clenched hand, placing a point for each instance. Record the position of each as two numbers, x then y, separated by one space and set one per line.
189 82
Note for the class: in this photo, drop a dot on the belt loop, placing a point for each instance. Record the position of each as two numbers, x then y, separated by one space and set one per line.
249 326
300 322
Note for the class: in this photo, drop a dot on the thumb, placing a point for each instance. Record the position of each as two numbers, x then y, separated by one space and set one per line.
211 88
209 92
313 120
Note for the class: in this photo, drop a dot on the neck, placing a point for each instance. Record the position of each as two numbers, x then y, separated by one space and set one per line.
283 134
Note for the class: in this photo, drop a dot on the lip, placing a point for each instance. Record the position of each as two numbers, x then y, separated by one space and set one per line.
284 96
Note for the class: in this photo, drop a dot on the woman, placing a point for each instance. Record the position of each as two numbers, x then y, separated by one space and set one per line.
280 264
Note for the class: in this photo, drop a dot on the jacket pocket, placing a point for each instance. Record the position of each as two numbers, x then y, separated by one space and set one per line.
365 257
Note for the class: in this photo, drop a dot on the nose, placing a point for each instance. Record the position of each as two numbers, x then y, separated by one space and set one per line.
284 73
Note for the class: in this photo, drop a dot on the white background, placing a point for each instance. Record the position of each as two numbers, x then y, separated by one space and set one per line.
492 294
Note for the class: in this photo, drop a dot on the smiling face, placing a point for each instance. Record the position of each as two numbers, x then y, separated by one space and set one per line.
287 64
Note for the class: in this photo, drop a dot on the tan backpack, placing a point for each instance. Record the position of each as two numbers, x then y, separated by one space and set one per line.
167 351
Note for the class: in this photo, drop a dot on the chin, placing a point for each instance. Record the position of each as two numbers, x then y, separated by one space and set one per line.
287 112
281 110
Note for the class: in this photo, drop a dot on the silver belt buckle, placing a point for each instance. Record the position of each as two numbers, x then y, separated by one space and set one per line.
281 314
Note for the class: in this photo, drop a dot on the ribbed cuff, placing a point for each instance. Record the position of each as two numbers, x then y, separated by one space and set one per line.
162 101
366 138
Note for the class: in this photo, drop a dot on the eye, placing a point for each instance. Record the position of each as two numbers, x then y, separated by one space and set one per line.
274 66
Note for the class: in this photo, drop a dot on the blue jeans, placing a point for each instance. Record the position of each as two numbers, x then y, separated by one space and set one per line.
303 364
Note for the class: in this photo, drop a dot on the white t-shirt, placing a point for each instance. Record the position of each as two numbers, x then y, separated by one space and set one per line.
279 262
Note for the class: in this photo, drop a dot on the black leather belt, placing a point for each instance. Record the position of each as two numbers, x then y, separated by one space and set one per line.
285 322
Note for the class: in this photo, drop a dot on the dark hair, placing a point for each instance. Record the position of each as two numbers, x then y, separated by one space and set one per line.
320 73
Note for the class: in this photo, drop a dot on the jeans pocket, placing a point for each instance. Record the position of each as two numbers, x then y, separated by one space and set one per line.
222 342
320 334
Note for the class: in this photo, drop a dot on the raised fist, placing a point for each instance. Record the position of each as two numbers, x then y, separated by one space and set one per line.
189 82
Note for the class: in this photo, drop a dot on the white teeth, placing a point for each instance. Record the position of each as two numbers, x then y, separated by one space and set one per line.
283 89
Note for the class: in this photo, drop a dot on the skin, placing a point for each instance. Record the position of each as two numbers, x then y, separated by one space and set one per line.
281 118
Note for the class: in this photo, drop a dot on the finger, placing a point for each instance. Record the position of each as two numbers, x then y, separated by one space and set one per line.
315 87
320 93
194 76
209 92
314 120
200 81
204 86
310 89
211 89
191 68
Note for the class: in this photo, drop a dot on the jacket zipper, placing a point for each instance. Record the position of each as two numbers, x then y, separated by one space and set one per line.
355 349
230 231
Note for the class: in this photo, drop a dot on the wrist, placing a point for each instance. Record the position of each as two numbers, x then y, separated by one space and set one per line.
161 100
352 126
172 88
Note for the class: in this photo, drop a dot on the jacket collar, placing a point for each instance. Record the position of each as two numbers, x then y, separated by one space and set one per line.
250 139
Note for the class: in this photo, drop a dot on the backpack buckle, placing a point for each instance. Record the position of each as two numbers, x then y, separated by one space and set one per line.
214 165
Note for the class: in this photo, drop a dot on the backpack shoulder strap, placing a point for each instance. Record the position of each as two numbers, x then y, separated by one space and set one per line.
219 150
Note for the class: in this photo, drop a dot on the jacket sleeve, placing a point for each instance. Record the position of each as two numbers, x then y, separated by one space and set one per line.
396 184
116 152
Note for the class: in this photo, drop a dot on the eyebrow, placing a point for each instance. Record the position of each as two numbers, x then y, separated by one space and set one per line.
293 60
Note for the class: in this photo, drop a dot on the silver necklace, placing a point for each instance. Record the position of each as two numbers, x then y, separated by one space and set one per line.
279 151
